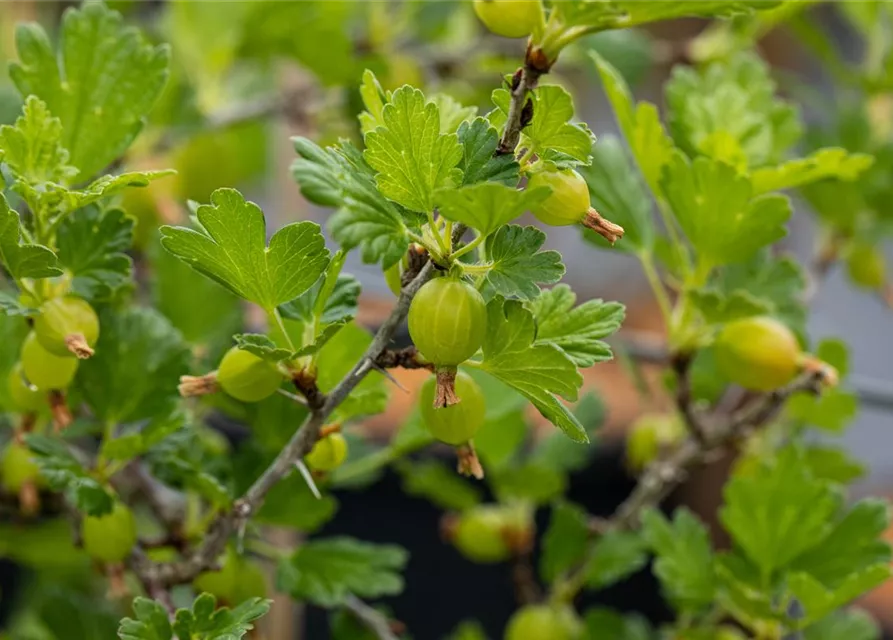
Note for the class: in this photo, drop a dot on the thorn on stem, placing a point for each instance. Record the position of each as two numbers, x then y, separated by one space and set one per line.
308 478
387 374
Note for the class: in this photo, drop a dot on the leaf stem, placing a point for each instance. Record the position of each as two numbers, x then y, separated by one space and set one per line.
275 318
657 287
471 246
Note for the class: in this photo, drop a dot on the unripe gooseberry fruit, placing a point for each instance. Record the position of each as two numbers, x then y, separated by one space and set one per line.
247 377
46 370
238 580
18 467
25 397
447 324
539 621
328 453
569 203
110 537
649 435
866 266
758 353
67 326
510 18
480 535
457 423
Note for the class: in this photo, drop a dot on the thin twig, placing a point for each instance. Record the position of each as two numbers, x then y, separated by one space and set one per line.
681 364
519 114
665 474
377 623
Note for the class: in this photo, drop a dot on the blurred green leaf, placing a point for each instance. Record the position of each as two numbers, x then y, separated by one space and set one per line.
327 571
96 51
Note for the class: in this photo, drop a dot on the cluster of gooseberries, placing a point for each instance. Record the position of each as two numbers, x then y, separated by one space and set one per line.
65 329
447 324
249 378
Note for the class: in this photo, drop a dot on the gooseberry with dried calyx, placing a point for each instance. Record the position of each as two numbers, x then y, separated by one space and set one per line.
569 203
44 369
447 324
67 326
539 621
758 353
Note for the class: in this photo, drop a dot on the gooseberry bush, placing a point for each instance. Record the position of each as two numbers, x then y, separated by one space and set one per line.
124 342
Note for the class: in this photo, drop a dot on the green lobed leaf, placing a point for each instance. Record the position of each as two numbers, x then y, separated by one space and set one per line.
412 157
832 411
32 148
517 264
66 473
101 81
773 533
607 623
374 99
480 163
231 249
143 439
340 305
205 621
529 482
852 624
600 15
563 454
550 133
824 163
536 371
856 542
434 481
23 259
329 570
616 191
91 245
718 308
817 601
133 375
564 543
833 464
487 206
578 331
714 207
452 113
776 281
263 347
729 111
684 558
640 124
53 197
151 623
340 177
615 555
